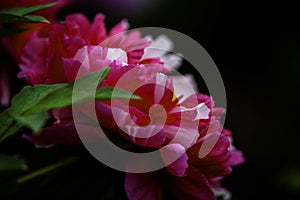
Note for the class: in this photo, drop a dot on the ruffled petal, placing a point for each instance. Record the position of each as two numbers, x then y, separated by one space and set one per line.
58 134
184 87
32 65
176 159
193 186
4 87
119 28
158 47
97 32
144 186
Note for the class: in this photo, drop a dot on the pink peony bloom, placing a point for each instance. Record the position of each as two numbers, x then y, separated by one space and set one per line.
201 174
169 115
60 46
159 109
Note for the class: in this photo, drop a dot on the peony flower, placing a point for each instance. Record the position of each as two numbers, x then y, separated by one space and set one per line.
58 45
167 115
61 48
191 177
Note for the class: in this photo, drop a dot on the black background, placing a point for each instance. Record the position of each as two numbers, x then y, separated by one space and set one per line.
256 47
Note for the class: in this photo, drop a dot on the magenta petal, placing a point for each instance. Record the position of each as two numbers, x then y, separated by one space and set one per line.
146 186
71 68
134 56
193 186
172 151
65 134
236 158
4 87
138 135
32 65
221 147
105 115
97 32
77 24
119 28
215 163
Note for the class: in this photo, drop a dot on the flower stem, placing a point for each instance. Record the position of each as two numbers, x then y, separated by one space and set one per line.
46 169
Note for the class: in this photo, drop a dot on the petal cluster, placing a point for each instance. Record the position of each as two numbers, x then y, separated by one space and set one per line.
166 116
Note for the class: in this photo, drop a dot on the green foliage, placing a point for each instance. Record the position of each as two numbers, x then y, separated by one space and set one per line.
20 14
29 107
12 162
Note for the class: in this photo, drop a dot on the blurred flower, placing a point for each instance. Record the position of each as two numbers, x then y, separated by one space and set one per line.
4 87
14 44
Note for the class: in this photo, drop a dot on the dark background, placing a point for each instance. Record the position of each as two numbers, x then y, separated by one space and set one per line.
256 47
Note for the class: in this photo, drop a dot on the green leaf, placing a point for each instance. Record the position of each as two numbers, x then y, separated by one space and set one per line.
29 107
34 121
20 11
12 162
30 96
63 96
9 18
106 93
35 19
15 128
19 14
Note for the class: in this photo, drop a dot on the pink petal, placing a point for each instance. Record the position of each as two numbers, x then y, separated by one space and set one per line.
119 28
4 87
134 56
71 68
172 61
185 86
175 158
236 158
158 47
150 136
104 115
193 186
217 162
65 134
201 111
134 41
97 32
144 186
195 99
77 25
32 65
182 135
